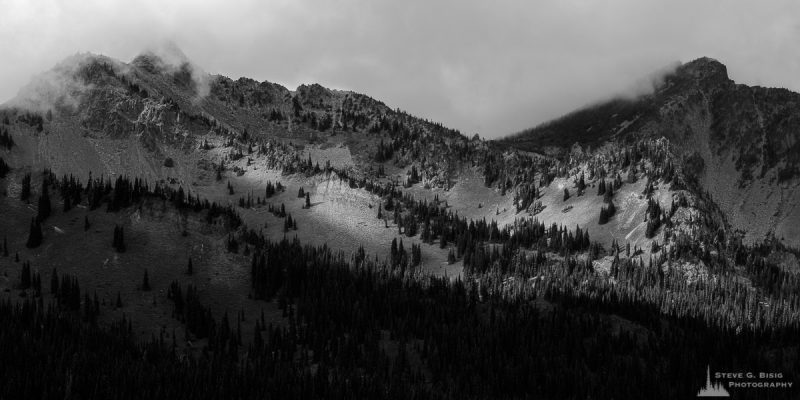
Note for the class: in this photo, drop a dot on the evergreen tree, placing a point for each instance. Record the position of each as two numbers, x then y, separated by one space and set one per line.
54 282
607 212
608 196
25 276
4 168
189 268
44 202
67 204
37 284
6 140
632 175
34 235
416 255
233 244
25 193
145 281
287 223
119 239
654 247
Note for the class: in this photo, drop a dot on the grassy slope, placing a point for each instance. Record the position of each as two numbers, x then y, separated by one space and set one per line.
340 217
628 223
154 241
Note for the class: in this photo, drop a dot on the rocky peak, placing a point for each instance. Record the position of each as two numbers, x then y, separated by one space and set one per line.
314 95
163 56
313 90
148 62
703 70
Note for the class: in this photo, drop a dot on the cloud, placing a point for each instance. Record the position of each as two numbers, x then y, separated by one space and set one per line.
56 88
487 67
169 58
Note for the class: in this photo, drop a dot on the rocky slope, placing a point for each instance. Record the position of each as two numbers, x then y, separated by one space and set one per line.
162 118
94 113
739 142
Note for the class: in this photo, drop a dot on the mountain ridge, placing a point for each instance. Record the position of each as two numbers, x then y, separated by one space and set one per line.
351 242
740 141
161 108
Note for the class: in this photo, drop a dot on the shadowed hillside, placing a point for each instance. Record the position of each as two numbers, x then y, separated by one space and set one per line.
173 234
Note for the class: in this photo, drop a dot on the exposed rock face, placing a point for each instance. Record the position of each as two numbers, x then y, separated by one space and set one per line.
108 117
756 127
740 142
747 138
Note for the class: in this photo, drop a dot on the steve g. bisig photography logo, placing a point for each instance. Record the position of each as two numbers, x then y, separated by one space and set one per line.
724 381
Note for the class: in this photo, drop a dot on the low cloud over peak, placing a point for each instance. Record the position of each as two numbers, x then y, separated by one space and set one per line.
491 68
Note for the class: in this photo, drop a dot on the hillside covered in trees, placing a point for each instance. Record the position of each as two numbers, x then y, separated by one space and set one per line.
248 241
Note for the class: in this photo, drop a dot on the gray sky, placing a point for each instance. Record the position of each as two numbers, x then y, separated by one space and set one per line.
491 67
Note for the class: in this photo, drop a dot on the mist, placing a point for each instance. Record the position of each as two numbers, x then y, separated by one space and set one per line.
488 68
171 59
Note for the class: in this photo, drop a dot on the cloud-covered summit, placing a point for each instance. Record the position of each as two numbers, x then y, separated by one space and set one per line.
491 68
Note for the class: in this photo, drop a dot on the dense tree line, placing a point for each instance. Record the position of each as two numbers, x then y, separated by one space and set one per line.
486 336
454 340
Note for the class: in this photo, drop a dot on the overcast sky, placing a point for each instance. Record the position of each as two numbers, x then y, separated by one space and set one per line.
487 67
